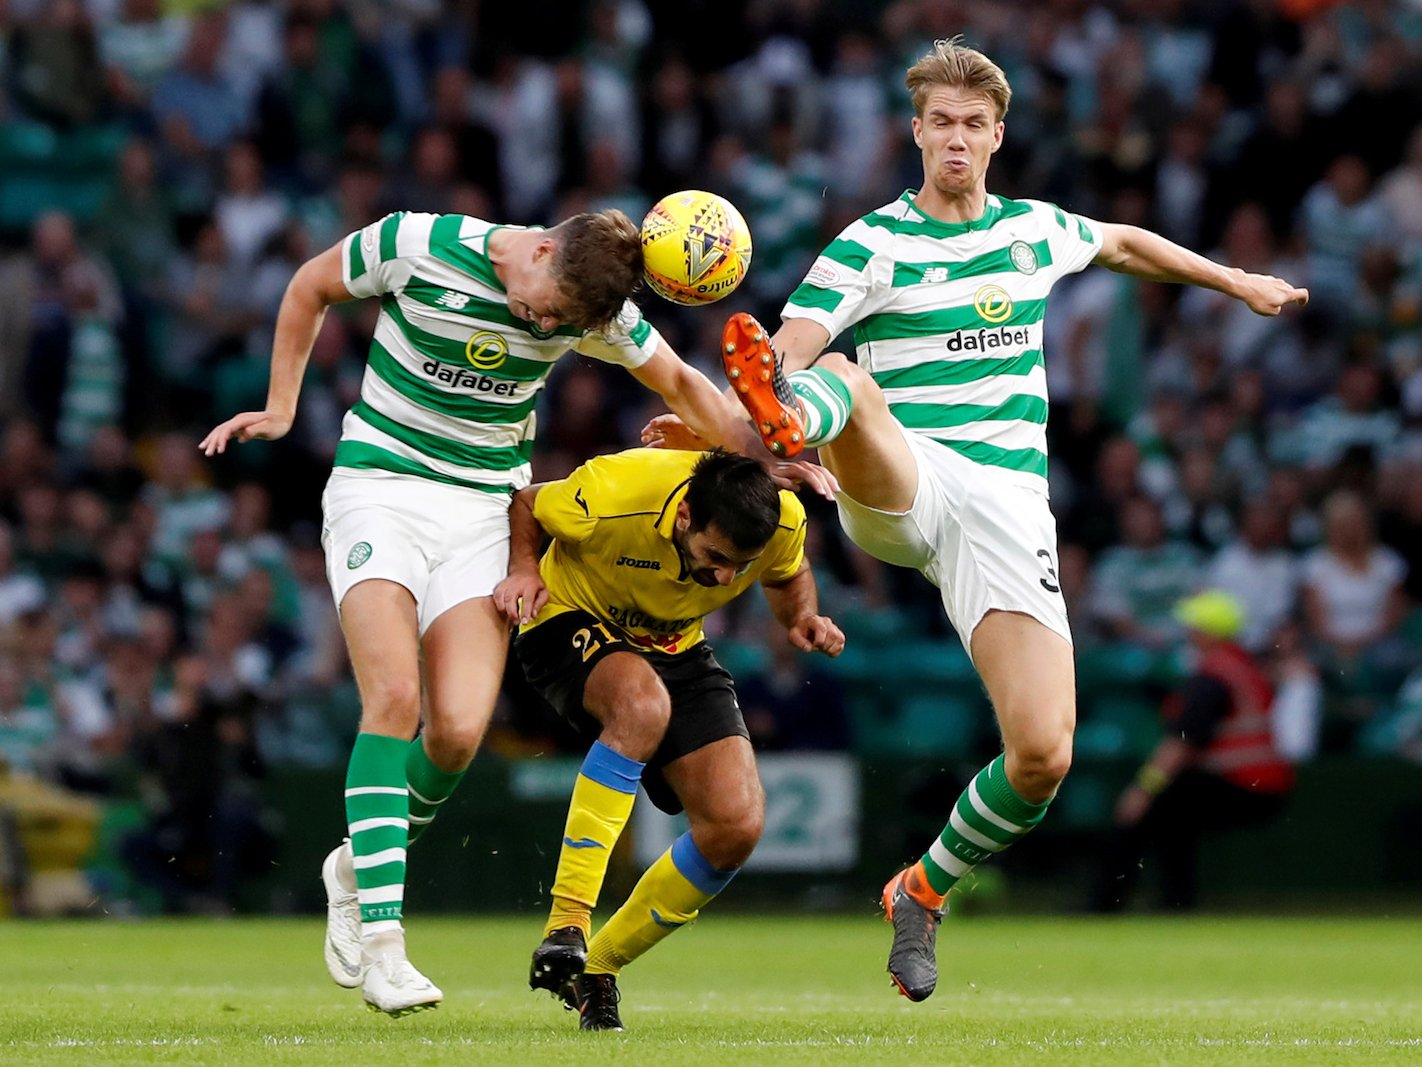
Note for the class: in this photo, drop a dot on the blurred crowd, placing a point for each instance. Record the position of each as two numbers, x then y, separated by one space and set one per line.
166 631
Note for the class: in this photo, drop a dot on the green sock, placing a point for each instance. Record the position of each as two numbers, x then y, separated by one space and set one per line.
825 404
429 786
377 812
989 816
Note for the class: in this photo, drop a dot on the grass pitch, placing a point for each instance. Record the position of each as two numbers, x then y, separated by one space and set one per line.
731 990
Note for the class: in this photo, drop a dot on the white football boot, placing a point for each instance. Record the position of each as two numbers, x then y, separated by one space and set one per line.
343 958
392 985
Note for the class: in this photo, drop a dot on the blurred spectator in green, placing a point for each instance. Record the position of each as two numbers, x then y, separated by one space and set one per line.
198 112
29 724
87 749
301 104
21 590
1355 415
39 290
1137 583
212 308
96 376
139 47
54 66
181 497
780 191
1339 218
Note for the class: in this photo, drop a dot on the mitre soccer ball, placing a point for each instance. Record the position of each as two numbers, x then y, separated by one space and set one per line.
696 248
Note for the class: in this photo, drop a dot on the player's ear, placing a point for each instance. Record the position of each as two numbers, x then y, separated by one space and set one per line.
683 516
918 131
998 131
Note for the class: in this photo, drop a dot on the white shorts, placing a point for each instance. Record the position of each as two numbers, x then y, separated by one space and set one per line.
987 543
443 543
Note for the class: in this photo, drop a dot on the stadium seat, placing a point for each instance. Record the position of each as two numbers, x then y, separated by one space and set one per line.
1121 725
43 170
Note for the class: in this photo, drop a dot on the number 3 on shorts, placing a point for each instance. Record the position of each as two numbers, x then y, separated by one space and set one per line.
1050 586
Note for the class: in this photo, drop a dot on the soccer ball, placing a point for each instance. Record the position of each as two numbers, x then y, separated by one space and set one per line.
696 248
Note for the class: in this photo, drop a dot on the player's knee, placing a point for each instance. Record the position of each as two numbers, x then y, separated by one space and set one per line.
453 741
392 700
729 841
855 378
1036 770
636 724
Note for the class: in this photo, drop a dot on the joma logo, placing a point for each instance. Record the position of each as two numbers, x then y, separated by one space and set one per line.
640 564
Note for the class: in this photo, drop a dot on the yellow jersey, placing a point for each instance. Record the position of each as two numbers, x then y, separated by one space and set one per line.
613 555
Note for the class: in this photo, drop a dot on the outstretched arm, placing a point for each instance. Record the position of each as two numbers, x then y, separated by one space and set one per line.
1132 250
313 288
795 605
710 414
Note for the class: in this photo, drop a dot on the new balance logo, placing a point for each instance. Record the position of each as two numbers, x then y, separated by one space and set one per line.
583 842
932 275
452 300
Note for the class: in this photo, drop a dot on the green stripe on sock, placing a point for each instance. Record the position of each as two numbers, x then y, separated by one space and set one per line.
378 762
826 404
999 798
429 786
991 831
998 794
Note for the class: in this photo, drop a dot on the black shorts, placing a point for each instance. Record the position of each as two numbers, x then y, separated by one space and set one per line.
558 655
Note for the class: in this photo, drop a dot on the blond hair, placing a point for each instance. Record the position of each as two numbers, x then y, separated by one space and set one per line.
956 66
598 265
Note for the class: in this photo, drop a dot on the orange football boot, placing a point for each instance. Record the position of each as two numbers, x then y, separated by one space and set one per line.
755 372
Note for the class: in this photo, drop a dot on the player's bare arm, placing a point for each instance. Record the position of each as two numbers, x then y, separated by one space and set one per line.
795 605
668 431
799 342
702 416
313 288
709 414
1132 250
521 596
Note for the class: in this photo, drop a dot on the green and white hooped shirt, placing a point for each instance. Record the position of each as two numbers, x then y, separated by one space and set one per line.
948 319
453 375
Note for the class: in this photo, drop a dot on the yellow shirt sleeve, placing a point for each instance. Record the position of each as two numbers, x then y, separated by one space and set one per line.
562 508
788 544
605 485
